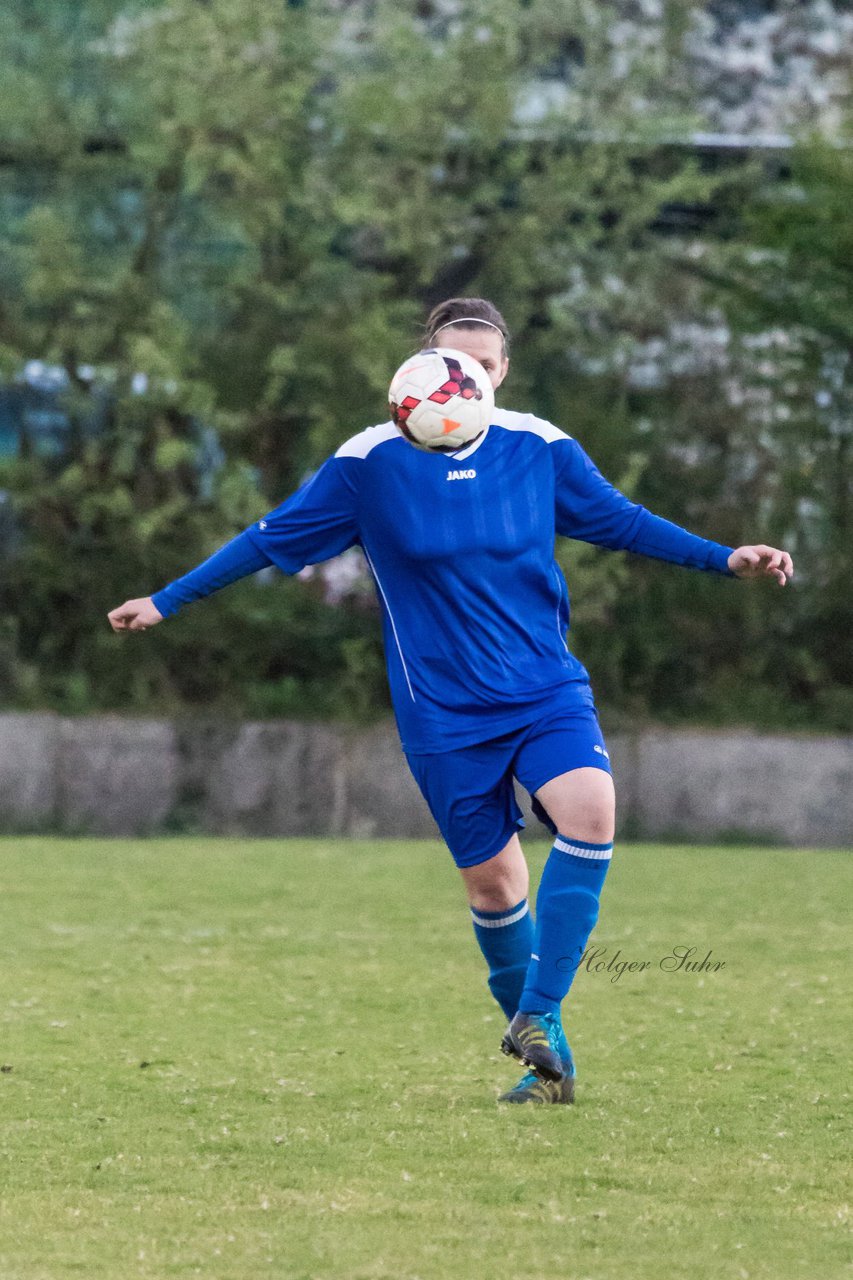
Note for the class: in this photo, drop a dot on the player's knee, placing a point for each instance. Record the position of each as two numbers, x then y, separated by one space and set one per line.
497 895
592 823
500 882
600 822
497 887
581 805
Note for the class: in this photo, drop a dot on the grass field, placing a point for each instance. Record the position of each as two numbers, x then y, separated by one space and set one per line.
248 1059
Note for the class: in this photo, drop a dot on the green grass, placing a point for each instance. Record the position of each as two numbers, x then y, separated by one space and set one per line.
249 1059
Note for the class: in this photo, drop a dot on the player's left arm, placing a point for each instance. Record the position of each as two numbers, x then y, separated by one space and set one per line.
591 509
761 561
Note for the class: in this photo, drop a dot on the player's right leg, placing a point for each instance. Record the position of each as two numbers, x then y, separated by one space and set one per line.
505 940
497 891
470 795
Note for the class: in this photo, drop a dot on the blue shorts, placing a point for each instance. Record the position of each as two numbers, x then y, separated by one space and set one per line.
470 793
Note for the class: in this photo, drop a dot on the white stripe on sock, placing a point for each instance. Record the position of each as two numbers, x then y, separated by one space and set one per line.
600 855
504 920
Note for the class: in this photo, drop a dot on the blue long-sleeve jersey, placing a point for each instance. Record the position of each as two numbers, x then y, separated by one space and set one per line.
475 610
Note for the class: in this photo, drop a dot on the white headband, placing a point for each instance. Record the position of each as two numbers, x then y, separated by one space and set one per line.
468 320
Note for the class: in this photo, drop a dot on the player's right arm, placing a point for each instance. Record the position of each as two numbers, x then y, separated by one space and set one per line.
135 615
315 523
237 559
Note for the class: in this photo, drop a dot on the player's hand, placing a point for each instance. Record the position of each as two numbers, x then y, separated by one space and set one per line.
135 615
761 562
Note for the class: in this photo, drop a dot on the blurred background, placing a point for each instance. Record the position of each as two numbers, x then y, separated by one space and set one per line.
222 223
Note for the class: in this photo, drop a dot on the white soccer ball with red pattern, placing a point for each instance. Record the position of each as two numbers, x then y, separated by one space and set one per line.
441 399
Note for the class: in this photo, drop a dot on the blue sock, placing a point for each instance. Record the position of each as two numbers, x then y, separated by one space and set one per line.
506 940
566 911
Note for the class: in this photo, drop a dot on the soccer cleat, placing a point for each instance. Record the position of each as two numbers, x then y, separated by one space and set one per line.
531 1089
539 1041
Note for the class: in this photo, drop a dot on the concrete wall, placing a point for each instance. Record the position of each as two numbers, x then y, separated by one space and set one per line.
108 775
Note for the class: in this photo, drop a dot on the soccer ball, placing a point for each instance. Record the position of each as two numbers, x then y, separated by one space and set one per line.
441 399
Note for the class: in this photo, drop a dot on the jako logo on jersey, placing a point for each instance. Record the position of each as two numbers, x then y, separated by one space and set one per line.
462 475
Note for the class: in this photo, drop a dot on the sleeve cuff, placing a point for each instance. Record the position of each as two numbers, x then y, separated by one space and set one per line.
719 561
164 604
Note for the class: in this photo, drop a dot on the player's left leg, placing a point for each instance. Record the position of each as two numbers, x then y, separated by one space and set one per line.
578 804
582 806
470 794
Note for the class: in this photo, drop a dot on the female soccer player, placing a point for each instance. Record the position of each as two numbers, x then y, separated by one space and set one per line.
475 614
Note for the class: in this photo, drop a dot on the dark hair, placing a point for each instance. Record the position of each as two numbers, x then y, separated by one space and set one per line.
477 314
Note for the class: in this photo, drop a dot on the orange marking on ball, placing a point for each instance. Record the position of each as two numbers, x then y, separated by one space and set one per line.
450 425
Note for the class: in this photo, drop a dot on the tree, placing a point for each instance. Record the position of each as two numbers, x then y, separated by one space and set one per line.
782 276
246 208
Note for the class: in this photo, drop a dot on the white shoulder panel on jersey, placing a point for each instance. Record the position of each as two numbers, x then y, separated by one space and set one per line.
513 421
360 446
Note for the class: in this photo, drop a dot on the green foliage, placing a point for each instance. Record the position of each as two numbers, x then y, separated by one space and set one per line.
253 203
783 279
